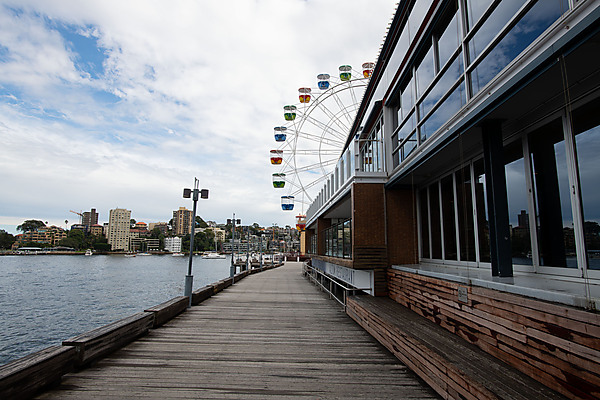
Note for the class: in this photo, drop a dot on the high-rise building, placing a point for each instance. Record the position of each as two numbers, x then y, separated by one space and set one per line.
89 218
182 221
118 229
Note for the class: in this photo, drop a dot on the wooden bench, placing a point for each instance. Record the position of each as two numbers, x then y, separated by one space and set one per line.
96 343
199 295
169 309
24 377
222 284
454 368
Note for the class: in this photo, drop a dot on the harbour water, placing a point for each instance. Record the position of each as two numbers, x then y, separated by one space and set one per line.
45 299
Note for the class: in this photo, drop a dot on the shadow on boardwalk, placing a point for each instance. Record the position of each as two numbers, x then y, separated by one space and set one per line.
272 336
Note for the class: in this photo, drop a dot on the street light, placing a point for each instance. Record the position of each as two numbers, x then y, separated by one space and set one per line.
187 193
233 222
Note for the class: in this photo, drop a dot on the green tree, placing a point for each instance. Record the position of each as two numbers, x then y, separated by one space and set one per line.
6 239
77 240
30 225
200 223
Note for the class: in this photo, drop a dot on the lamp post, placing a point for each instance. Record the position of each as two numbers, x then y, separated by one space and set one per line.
233 222
187 193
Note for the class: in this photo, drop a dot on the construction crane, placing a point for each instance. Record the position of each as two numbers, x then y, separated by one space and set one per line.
80 216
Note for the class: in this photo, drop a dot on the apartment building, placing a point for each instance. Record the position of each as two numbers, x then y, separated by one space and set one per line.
119 229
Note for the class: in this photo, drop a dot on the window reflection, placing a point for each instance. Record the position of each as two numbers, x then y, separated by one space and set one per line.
445 111
417 14
503 13
449 218
536 21
407 99
551 187
517 204
450 39
475 9
425 72
450 76
466 228
424 215
436 224
483 228
588 149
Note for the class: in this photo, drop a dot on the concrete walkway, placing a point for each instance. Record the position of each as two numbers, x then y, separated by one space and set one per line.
273 335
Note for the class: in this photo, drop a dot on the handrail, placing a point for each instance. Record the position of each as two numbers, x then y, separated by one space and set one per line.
310 272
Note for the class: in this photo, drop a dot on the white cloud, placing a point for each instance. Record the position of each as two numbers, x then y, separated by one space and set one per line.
196 89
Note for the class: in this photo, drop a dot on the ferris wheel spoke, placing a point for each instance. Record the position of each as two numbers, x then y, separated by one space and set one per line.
314 166
319 139
338 134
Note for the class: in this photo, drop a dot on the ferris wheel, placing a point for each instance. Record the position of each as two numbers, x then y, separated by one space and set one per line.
311 139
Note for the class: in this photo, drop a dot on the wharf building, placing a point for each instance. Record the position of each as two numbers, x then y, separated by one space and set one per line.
467 190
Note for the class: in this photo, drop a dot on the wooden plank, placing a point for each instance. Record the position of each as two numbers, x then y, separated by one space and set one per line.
94 344
22 378
467 369
199 295
273 336
168 310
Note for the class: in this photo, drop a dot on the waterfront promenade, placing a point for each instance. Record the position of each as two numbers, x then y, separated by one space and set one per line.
273 335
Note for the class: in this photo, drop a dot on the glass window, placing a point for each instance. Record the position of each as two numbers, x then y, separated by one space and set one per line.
348 238
449 218
409 145
407 98
449 41
464 208
588 148
517 204
416 16
492 26
425 72
436 224
553 204
444 112
450 76
424 214
536 21
340 242
475 9
483 227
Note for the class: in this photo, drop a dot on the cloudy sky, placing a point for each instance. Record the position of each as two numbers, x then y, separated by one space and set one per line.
116 103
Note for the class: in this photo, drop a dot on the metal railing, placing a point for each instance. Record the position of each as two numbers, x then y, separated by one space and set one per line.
336 290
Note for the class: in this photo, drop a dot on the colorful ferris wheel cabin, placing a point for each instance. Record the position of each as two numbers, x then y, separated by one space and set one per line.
368 69
304 94
287 203
289 113
300 222
280 135
345 72
276 157
323 81
278 181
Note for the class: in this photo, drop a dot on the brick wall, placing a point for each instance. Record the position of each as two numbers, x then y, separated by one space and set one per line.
402 226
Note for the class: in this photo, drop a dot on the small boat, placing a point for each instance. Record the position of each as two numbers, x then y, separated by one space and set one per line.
213 255
88 252
178 254
144 254
130 255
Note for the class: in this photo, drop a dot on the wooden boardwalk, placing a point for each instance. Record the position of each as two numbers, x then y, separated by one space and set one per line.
272 336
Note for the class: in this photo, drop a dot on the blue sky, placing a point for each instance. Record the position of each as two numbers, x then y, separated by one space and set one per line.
107 104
